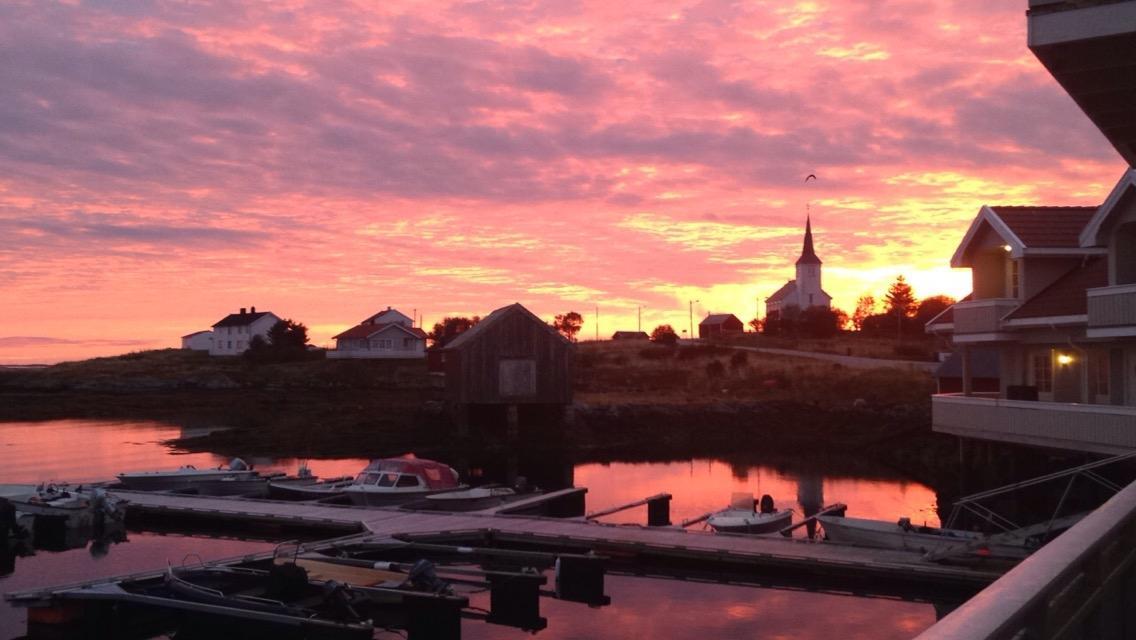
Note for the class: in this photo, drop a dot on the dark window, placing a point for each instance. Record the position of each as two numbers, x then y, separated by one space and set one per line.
407 481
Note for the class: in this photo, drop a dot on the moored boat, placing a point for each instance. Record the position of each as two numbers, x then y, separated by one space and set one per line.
75 506
742 516
393 481
308 488
927 540
185 477
472 499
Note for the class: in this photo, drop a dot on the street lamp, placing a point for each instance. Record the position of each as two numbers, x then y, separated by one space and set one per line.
692 318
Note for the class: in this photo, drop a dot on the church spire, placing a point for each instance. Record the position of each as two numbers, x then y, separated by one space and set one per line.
808 255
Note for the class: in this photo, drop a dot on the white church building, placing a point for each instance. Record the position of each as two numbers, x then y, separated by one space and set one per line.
805 291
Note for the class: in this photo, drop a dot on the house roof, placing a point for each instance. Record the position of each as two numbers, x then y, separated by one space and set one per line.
717 318
367 330
1029 230
241 319
469 335
378 317
196 333
1093 235
786 289
1046 226
808 255
1066 296
983 364
947 316
630 334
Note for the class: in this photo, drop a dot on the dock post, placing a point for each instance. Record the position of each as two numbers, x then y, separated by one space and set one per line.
581 579
515 601
659 511
428 620
512 420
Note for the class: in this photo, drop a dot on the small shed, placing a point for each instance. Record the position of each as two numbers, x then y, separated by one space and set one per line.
720 325
630 335
198 341
511 358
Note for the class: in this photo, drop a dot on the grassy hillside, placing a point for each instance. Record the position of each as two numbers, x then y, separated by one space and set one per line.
630 373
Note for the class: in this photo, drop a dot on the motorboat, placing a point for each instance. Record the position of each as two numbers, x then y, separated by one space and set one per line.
184 477
308 488
472 499
75 506
393 481
744 516
941 542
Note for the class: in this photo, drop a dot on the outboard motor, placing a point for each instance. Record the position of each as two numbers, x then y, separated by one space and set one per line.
238 465
423 577
767 504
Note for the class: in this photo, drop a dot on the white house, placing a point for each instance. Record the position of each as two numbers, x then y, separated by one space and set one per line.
232 334
1055 295
198 341
804 291
387 334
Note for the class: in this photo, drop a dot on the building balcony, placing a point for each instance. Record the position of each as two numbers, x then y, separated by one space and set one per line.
1081 427
1112 311
1089 46
981 320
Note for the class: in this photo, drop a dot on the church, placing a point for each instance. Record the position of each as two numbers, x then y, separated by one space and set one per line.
805 291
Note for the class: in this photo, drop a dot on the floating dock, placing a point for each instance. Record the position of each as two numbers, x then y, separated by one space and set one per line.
793 557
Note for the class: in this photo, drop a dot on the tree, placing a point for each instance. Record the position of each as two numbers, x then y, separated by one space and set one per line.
755 324
450 328
664 334
568 324
865 306
932 306
287 335
286 340
900 300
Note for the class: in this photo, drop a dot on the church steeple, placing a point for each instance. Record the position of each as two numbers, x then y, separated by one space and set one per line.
808 255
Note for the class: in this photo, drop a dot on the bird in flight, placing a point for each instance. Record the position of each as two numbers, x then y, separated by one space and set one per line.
811 175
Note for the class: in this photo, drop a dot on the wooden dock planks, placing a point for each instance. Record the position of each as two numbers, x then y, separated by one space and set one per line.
772 552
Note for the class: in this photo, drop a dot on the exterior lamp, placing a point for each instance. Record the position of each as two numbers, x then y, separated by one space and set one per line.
1007 248
1064 358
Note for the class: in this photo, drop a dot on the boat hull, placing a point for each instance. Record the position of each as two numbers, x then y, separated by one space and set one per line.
172 481
373 498
474 499
306 491
889 535
736 521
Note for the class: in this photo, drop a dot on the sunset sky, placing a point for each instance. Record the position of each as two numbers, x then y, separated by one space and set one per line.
163 164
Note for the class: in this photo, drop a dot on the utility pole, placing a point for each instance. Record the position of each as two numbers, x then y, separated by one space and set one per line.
639 311
691 319
597 323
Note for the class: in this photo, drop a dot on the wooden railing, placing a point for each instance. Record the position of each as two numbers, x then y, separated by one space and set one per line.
1080 585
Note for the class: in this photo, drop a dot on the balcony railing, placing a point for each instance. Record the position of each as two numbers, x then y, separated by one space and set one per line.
1081 427
982 316
1112 310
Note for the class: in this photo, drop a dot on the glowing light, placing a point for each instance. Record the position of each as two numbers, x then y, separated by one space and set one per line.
1064 358
1007 248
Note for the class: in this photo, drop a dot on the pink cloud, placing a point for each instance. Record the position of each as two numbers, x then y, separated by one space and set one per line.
343 157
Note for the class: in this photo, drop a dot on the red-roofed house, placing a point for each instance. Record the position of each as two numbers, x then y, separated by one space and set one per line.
387 334
1055 295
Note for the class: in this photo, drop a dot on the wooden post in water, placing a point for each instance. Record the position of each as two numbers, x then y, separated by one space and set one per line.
512 421
659 511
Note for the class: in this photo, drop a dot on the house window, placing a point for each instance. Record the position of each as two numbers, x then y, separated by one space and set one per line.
407 343
230 344
1098 373
1043 372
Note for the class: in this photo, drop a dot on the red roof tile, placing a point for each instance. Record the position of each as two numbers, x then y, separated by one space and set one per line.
1067 296
1046 226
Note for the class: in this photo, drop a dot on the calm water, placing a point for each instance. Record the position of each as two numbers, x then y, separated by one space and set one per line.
641 607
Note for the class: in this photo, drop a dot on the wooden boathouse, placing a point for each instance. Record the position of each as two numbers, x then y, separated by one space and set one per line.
510 368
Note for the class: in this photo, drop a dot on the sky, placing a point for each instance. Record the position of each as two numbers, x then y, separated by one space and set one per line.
163 164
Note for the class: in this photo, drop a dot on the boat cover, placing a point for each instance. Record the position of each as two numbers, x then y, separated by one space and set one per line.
435 474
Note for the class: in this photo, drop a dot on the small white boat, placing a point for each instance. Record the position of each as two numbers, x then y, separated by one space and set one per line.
184 477
927 540
471 499
393 481
307 486
75 506
742 516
